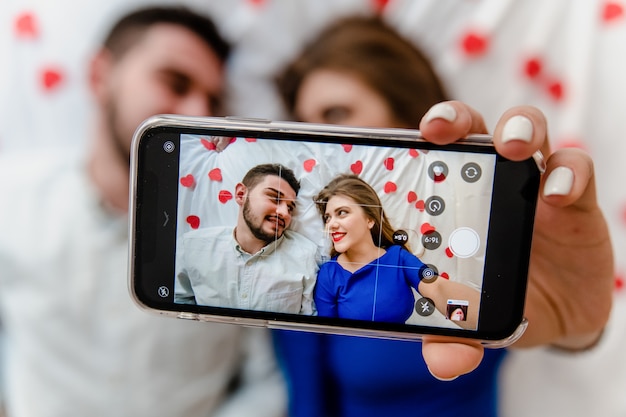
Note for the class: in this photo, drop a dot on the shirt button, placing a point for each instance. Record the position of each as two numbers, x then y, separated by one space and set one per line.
244 296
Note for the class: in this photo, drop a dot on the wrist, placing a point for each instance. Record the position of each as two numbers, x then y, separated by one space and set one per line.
582 343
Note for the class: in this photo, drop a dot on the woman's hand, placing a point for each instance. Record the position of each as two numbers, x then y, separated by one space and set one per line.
571 267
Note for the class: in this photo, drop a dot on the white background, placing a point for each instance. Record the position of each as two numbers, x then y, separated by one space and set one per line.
568 57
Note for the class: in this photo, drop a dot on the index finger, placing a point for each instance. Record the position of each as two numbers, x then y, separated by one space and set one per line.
448 121
520 132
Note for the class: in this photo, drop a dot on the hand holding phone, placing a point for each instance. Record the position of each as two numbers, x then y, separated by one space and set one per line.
555 273
253 226
570 244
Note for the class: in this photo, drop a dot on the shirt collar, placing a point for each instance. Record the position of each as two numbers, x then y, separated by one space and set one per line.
266 250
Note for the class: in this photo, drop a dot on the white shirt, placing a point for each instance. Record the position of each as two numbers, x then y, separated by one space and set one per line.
76 343
212 269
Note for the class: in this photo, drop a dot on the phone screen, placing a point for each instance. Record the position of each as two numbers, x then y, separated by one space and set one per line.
342 232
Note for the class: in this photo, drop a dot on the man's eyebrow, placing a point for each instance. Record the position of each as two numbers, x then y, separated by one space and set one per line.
280 194
173 73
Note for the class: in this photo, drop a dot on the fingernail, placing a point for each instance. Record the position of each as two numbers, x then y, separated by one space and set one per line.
443 111
559 182
517 128
442 379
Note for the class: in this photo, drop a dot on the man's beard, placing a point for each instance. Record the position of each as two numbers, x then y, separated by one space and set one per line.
257 230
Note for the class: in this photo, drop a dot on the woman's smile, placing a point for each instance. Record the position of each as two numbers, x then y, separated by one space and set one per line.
337 236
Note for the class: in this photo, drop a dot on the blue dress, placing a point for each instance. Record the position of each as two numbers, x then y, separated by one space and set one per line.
346 376
380 290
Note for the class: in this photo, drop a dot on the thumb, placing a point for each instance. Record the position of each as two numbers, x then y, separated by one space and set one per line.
448 360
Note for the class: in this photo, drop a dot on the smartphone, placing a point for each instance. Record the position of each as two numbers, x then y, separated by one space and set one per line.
245 221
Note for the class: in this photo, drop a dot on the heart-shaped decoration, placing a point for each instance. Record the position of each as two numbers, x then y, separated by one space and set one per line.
379 5
533 67
357 167
215 174
449 253
444 275
193 221
224 196
250 140
390 187
427 228
475 44
187 181
411 197
309 164
208 144
414 153
51 79
612 11
347 147
26 26
420 205
389 163
556 90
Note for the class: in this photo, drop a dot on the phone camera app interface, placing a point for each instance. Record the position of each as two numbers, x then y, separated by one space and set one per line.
346 231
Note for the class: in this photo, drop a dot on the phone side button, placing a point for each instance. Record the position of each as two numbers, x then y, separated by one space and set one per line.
247 119
187 316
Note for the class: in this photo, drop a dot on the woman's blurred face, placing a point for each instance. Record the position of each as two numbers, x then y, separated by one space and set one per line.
329 96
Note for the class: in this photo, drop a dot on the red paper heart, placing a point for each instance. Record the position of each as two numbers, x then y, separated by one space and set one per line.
390 187
379 5
224 196
444 275
533 68
26 26
612 11
411 197
475 44
51 79
414 153
194 221
232 140
309 164
250 139
427 228
215 174
347 147
208 144
556 90
420 205
449 253
187 181
357 167
389 163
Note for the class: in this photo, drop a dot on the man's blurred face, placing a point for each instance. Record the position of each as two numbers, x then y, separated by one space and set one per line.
170 70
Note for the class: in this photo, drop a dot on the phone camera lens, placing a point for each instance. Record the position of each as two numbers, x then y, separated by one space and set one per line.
169 146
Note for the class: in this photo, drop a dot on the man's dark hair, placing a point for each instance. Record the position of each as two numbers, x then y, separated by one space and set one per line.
130 28
256 175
